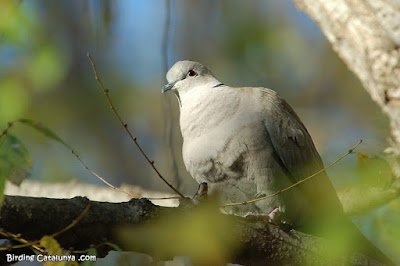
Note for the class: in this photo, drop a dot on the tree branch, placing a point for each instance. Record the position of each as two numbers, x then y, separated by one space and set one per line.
260 242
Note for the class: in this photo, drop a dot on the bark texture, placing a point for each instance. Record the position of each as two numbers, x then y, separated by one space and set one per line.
366 35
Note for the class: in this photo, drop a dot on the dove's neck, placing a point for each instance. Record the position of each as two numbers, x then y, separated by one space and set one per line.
201 108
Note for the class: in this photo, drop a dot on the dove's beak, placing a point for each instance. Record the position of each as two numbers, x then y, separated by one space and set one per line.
168 87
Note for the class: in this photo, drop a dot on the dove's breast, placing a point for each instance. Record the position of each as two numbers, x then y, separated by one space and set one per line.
226 144
218 144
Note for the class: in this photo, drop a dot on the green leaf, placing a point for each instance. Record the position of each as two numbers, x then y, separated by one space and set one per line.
373 170
15 161
51 245
52 248
92 252
44 130
114 246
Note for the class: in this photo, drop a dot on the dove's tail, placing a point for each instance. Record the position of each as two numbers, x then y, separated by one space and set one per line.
366 247
345 238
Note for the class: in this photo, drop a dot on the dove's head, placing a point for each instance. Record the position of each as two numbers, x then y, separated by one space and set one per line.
186 75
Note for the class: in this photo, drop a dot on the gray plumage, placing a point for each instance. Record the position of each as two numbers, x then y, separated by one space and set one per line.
248 142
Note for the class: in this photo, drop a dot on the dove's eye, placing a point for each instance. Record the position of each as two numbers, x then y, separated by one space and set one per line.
191 73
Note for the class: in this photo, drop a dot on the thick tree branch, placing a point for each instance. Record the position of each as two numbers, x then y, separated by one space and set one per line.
261 243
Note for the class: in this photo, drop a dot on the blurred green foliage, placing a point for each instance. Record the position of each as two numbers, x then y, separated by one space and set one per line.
384 226
15 161
53 248
204 234
31 62
373 170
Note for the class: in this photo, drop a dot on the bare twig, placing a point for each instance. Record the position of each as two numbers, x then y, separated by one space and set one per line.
125 125
114 187
295 184
18 238
10 124
113 246
34 244
5 131
102 179
74 222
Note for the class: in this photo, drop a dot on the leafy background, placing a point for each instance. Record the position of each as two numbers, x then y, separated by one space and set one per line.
46 76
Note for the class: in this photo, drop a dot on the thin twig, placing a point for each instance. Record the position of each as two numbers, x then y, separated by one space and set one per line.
25 242
114 187
127 130
102 179
5 131
74 222
10 124
114 246
295 184
34 244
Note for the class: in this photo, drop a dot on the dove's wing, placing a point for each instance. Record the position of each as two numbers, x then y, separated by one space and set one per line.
297 154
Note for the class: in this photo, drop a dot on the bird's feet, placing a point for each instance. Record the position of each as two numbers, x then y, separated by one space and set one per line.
273 215
200 196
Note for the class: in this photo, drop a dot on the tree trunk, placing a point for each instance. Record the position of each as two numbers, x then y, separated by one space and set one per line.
366 35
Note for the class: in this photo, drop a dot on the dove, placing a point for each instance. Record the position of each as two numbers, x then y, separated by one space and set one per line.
247 142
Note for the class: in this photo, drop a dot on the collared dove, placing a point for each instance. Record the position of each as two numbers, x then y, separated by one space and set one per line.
248 142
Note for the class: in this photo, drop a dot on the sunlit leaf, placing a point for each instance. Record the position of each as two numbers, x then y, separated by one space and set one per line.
364 198
52 248
51 245
373 170
15 161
